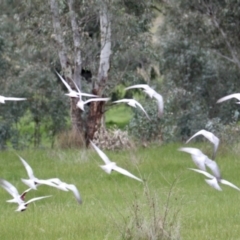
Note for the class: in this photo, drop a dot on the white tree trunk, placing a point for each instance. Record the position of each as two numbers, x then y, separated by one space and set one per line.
105 28
77 42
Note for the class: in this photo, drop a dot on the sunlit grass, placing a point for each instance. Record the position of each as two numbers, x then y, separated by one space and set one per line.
108 200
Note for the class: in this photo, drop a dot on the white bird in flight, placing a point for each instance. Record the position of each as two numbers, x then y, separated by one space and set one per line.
210 136
23 206
73 93
66 187
19 199
132 103
151 93
201 161
33 182
214 181
110 166
234 95
81 103
3 99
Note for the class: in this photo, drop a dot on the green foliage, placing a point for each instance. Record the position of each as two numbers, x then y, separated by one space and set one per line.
199 56
46 103
157 129
44 111
143 129
5 133
3 63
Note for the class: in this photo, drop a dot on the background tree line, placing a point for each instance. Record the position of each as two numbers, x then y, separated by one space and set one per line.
199 45
196 49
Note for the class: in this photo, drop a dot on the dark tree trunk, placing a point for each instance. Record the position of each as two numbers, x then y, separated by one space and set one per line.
95 115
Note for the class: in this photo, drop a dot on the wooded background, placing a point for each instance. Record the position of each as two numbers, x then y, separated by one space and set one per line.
187 50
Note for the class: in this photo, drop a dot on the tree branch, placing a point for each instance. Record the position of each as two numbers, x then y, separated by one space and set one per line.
226 57
211 12
228 44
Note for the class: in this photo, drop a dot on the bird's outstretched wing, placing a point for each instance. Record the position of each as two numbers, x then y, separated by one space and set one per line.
212 165
14 99
160 104
75 191
96 100
210 136
9 188
229 184
234 95
194 151
28 168
202 172
64 82
36 199
101 153
141 107
126 173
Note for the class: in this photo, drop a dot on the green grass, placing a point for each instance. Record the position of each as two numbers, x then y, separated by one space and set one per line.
109 200
118 115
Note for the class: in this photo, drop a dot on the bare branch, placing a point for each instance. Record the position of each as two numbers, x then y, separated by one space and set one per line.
211 12
226 57
228 44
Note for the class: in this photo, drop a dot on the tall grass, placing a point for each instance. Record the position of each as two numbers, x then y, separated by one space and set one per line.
151 219
117 207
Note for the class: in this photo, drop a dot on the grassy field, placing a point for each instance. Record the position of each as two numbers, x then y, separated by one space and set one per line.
117 207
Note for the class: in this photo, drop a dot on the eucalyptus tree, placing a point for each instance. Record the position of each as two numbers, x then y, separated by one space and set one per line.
103 33
97 44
